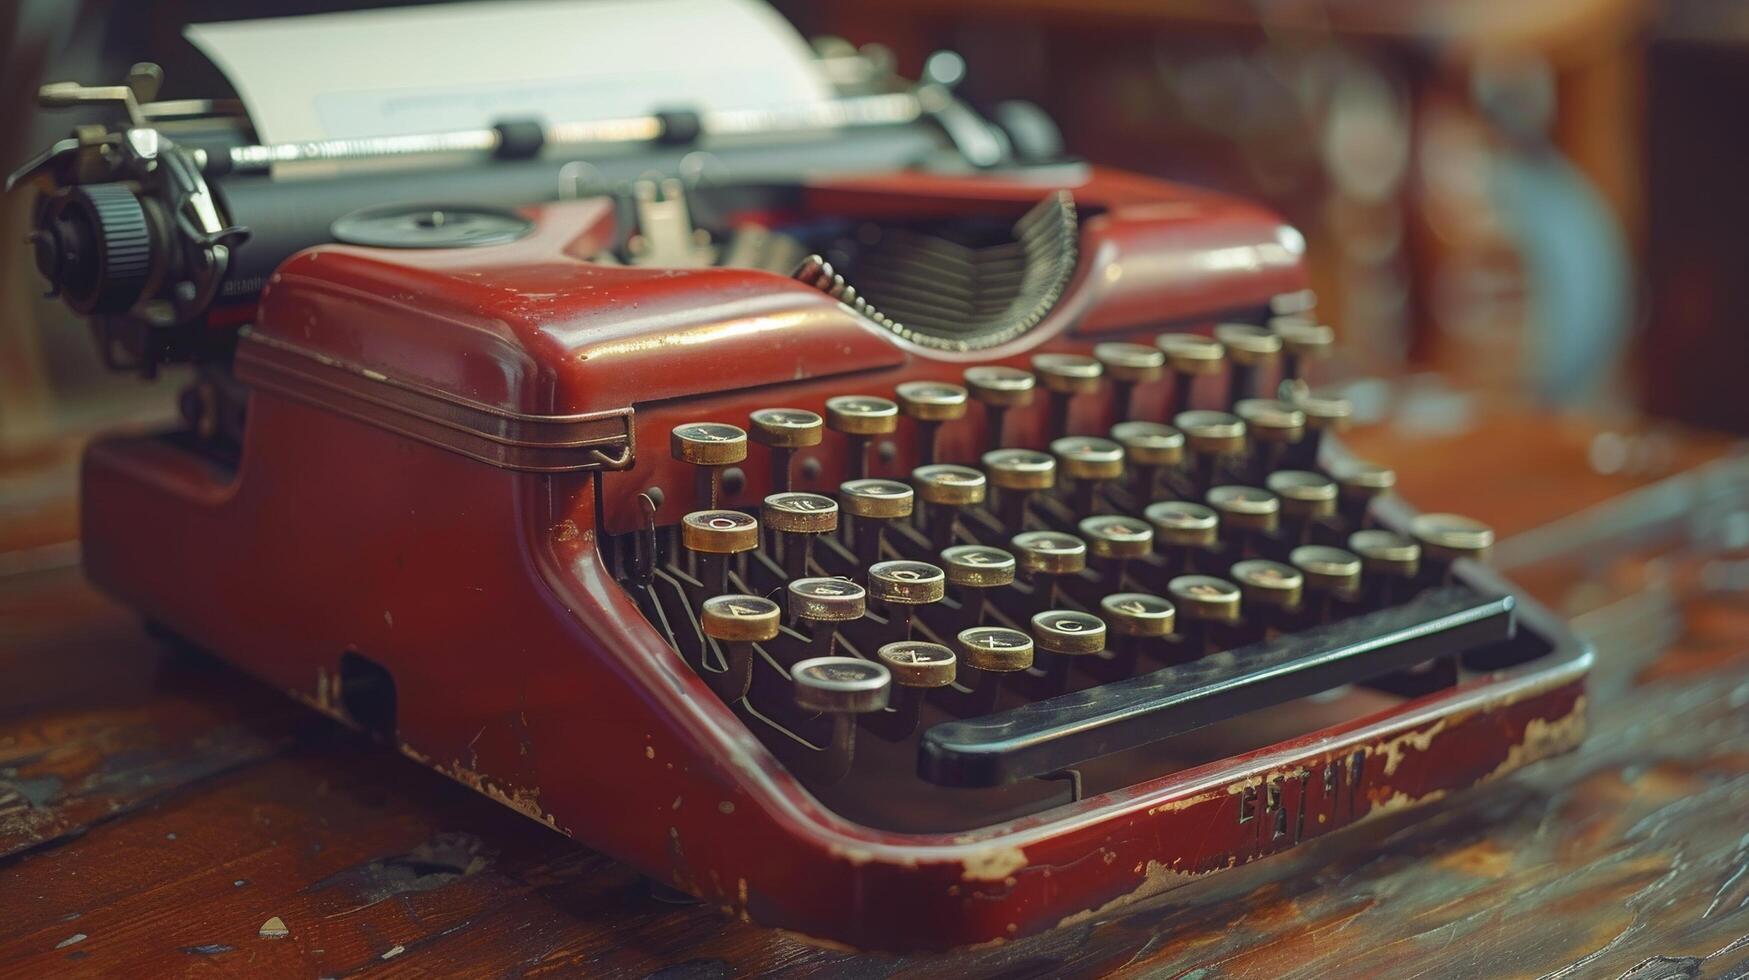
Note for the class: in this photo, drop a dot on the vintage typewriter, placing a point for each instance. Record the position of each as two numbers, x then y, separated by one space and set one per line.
906 537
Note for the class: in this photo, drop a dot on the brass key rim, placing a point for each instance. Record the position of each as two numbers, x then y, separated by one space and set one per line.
799 512
1386 551
1149 443
708 443
978 566
1205 597
1269 583
999 386
949 484
862 415
906 582
719 532
1068 374
1304 338
1068 632
1327 569
739 618
1249 508
827 600
877 498
917 663
995 648
1303 493
1181 522
1211 433
841 685
1138 614
1191 353
1451 535
1088 457
1050 552
931 401
787 428
1247 344
1021 469
1117 536
1324 412
1271 420
1132 363
1365 479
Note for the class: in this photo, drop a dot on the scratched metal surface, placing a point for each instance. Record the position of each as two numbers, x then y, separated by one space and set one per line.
157 810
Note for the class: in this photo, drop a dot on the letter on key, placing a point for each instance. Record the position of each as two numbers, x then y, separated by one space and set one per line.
710 446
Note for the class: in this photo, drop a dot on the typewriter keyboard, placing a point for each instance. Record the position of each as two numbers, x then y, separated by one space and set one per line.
993 636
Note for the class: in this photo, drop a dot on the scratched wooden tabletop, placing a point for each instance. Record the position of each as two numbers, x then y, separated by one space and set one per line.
163 814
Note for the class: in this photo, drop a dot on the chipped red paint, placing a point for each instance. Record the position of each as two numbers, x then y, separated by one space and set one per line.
524 671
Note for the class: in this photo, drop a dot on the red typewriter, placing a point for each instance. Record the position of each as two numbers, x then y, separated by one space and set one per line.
909 539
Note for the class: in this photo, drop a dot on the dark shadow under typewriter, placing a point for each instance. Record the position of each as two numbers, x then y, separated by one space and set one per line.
975 643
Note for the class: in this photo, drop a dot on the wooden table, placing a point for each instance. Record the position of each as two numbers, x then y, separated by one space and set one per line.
157 809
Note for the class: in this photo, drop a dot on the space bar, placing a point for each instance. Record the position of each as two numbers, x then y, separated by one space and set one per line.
1061 732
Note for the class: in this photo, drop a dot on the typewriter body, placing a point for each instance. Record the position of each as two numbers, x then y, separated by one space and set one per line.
902 542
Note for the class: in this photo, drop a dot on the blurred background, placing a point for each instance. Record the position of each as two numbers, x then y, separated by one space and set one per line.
1519 201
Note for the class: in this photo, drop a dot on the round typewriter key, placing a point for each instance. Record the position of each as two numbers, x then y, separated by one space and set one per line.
978 566
999 389
710 536
1132 363
1270 420
860 418
710 446
874 503
862 415
719 532
739 618
800 513
1020 469
1246 509
914 663
903 585
1190 356
841 685
1088 457
1391 562
949 484
1068 632
786 428
1002 387
1306 498
1268 584
826 600
1328 571
1324 413
1205 598
1446 537
1129 365
1050 552
1298 301
1149 443
1138 614
928 404
1068 374
1181 524
1249 348
708 443
995 648
1209 433
783 431
931 401
1117 536
1302 340
1362 483
878 499
947 488
1190 353
1149 447
797 517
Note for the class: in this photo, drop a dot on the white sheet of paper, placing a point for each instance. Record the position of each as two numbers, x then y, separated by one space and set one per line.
468 65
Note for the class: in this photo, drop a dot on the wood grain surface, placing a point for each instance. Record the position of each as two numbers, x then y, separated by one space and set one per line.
157 809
